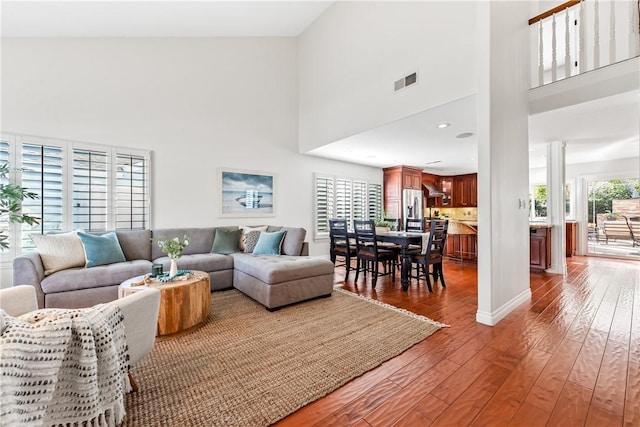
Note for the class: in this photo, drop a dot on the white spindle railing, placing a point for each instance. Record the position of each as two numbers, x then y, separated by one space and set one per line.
588 24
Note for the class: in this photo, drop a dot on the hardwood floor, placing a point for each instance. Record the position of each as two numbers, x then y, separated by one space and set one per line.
569 357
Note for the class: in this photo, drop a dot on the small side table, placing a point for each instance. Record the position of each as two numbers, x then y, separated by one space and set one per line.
184 303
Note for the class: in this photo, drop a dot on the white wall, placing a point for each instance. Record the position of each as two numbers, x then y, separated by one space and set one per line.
503 255
352 54
198 104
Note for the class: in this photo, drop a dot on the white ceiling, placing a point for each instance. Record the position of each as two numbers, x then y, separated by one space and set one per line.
598 130
158 18
417 141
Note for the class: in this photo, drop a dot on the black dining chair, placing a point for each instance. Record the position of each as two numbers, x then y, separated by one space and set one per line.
340 245
416 225
433 253
369 255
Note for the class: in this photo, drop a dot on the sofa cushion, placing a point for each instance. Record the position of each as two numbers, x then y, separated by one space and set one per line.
250 241
101 250
208 262
226 241
86 278
279 269
136 244
293 240
201 240
59 251
269 243
245 233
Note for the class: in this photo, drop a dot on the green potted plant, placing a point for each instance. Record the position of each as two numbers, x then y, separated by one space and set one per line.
173 248
11 197
611 216
382 225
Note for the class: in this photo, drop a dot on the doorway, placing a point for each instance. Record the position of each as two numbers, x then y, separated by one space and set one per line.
611 205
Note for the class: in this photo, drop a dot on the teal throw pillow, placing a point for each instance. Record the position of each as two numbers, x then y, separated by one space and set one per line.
226 241
101 250
269 243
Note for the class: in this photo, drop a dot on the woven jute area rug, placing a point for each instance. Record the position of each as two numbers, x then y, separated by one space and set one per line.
249 367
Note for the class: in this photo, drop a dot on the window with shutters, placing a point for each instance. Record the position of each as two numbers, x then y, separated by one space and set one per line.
79 186
344 198
90 190
4 158
132 192
42 170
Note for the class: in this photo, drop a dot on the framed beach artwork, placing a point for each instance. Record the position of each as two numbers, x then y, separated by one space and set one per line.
246 193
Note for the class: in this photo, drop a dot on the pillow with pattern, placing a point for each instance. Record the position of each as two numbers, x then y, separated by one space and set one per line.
250 241
243 236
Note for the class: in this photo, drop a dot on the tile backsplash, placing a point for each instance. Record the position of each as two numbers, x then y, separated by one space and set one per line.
469 214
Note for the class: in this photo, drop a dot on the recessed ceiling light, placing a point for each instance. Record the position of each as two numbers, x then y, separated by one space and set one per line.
464 135
443 125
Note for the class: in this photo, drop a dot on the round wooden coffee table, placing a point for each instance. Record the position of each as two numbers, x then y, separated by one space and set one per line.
185 303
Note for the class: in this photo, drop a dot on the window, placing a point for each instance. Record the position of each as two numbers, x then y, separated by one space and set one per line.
132 185
79 186
42 173
90 190
4 158
344 198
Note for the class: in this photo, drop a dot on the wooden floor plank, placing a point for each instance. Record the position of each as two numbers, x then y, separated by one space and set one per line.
568 357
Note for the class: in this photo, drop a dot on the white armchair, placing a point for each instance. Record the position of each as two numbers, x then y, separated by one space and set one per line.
140 311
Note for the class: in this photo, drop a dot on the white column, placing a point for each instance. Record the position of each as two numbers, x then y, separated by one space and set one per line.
503 159
555 206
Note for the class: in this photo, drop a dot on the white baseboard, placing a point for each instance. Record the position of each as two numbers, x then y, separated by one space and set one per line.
493 318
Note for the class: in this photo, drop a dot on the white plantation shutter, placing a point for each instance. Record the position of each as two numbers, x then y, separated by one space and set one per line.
346 199
43 174
359 200
79 186
4 158
132 192
90 190
324 204
343 199
374 201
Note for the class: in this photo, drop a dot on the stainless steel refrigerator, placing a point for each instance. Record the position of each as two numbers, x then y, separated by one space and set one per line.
412 206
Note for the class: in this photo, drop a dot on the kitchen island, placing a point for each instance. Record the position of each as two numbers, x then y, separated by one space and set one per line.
539 246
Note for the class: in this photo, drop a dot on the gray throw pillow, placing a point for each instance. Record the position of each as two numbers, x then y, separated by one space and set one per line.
226 241
250 240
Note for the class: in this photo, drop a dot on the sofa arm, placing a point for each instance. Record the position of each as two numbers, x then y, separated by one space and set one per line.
140 311
18 300
28 270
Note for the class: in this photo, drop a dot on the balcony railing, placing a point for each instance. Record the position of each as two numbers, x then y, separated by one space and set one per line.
580 36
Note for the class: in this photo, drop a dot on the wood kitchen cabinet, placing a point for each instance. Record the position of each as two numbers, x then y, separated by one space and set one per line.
396 179
412 179
465 191
539 248
446 183
571 238
462 246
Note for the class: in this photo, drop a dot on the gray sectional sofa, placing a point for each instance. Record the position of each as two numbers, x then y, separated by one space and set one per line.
273 281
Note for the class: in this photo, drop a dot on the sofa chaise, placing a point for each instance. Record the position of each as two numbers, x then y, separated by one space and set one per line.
273 281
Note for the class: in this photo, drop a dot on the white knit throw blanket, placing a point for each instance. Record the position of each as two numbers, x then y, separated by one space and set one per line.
64 367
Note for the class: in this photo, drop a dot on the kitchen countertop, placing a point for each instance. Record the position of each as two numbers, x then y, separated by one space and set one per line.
540 225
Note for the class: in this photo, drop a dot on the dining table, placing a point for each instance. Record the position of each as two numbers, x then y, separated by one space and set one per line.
402 239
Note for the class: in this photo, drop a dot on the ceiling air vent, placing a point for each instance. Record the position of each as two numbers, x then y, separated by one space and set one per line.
409 80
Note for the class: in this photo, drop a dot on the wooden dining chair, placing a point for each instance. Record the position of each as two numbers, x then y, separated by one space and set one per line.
340 245
433 253
369 255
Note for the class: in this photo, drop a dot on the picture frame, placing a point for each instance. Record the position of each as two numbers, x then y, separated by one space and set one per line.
245 193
